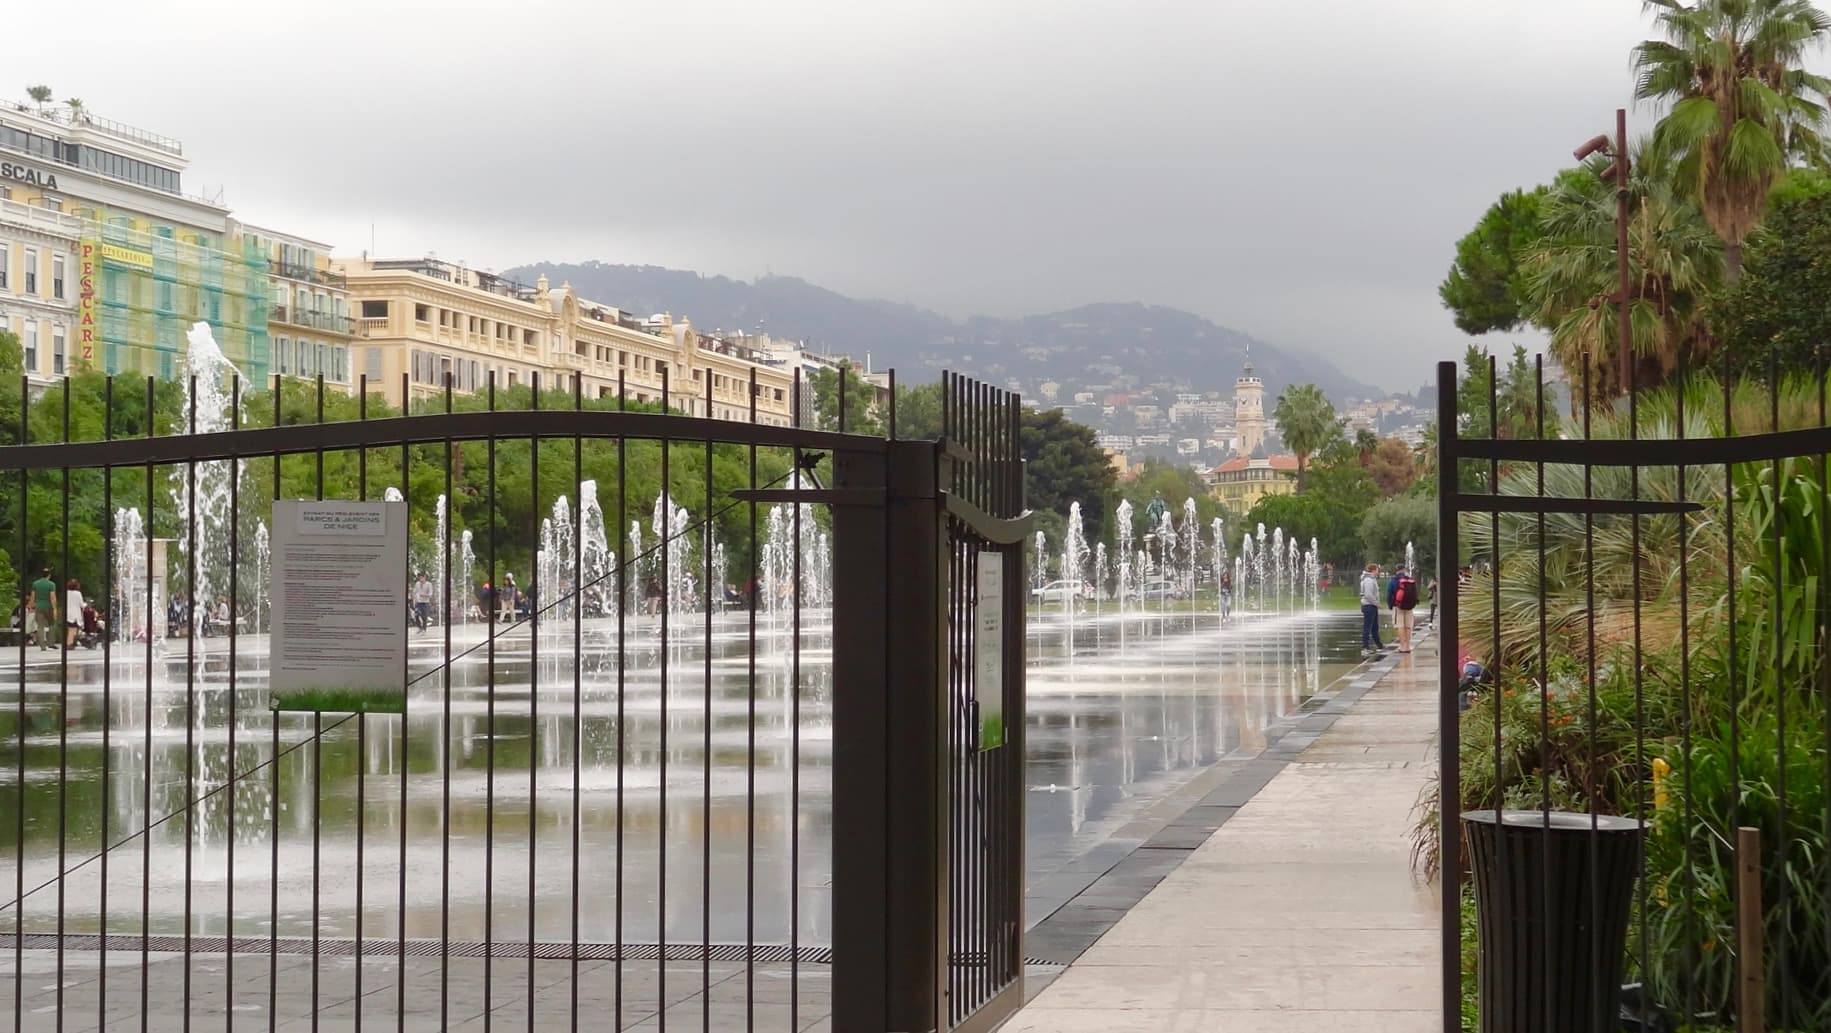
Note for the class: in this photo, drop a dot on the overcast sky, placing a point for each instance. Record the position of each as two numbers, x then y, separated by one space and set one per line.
1297 171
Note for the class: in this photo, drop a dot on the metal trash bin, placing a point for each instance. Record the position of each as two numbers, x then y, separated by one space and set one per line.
1552 899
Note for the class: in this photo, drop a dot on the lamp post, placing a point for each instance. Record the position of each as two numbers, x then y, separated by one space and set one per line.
1618 172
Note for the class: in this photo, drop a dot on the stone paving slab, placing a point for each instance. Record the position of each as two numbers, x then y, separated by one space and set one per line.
1299 912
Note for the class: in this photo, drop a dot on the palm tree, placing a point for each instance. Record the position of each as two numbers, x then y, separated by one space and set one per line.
41 95
1674 260
1306 421
1366 443
76 108
1743 105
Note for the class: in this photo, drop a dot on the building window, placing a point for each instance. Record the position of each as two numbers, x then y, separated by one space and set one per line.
422 313
283 349
4 255
57 350
31 347
372 358
31 270
374 310
57 277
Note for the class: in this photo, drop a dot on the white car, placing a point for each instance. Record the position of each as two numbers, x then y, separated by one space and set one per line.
1062 591
1161 588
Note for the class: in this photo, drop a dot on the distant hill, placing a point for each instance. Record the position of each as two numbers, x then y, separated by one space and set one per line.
1120 346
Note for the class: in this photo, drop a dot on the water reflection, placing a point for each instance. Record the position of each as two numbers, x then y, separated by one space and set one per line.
513 798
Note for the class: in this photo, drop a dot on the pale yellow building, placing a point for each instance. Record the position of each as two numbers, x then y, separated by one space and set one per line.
428 319
309 327
1240 482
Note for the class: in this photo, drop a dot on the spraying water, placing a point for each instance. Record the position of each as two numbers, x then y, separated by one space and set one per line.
1219 564
1126 571
467 576
263 567
1191 547
597 563
200 491
132 563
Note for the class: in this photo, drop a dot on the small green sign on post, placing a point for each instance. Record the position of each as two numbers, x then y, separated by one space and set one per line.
988 649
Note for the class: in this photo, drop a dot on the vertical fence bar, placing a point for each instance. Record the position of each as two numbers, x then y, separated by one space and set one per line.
400 923
273 880
494 604
533 623
109 588
25 490
705 860
1783 934
578 687
1689 953
362 729
317 776
445 744
1822 669
794 747
235 555
1449 718
750 745
663 587
66 642
190 694
622 684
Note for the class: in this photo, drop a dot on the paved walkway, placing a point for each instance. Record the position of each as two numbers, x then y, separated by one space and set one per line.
1299 913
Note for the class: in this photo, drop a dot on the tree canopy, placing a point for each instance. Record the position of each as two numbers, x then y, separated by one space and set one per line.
1306 421
1742 104
1776 313
1486 287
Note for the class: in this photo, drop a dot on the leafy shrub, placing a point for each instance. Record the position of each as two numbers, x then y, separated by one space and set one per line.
1721 782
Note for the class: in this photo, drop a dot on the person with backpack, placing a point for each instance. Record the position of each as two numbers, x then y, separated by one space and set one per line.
1402 597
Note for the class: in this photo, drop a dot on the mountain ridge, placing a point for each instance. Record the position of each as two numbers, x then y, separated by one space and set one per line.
1103 347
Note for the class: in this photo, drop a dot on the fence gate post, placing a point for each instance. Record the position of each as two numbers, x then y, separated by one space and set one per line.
889 743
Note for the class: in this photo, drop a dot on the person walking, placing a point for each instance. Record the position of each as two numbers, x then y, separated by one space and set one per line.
1433 602
422 602
73 612
44 609
1370 610
1403 598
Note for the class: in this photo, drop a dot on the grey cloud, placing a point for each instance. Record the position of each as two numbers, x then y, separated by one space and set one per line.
1298 172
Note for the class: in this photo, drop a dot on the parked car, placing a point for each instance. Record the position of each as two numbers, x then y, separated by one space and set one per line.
1062 591
1161 588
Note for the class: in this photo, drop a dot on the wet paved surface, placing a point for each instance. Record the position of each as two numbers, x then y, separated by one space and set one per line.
1126 724
1298 910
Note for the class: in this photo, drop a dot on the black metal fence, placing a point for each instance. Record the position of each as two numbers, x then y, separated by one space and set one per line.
615 791
1635 656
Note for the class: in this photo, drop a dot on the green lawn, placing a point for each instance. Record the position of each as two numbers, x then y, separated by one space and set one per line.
342 701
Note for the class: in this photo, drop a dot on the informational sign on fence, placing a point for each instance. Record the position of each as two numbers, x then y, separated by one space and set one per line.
988 649
339 601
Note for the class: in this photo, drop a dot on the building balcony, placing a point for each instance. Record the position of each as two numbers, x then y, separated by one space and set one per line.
329 322
308 274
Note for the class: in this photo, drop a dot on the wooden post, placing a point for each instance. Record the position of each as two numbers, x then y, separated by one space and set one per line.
1752 995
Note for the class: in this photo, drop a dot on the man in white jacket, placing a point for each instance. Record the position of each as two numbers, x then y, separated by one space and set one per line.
1370 610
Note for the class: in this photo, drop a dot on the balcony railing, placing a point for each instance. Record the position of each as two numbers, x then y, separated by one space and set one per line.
329 322
60 223
308 274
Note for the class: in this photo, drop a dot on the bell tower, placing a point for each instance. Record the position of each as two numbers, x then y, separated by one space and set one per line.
1249 408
